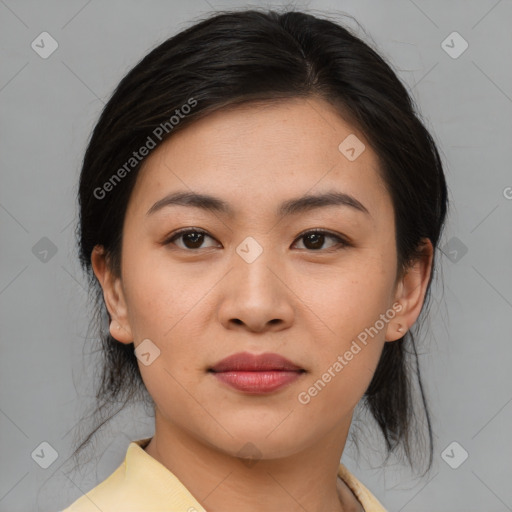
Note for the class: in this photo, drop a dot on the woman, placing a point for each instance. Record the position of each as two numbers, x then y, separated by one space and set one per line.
260 207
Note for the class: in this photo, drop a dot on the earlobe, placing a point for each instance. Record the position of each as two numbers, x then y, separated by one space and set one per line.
119 333
395 331
113 295
410 292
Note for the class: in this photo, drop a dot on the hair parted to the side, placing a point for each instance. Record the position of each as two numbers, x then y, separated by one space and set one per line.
236 57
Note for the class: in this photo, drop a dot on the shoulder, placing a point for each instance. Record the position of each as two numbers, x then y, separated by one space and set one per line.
369 502
103 495
140 483
113 492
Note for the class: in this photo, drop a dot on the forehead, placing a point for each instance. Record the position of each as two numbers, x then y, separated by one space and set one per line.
264 153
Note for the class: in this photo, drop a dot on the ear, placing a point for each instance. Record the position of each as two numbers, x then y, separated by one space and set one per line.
113 295
410 292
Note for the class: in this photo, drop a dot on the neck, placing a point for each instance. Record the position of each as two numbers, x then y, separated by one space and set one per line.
306 480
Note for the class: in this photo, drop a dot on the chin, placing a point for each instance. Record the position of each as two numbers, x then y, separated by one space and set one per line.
263 441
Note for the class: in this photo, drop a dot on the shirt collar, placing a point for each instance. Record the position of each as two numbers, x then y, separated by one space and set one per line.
165 486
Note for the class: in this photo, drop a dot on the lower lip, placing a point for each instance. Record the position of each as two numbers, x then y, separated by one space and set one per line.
258 382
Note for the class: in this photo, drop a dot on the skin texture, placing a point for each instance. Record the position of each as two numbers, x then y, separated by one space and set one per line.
199 306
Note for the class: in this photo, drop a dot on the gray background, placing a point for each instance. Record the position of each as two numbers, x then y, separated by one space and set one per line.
48 109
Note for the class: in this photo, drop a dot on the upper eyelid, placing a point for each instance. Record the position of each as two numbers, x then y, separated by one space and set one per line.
322 231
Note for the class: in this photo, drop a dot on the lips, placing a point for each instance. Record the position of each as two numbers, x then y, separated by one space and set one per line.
245 362
256 374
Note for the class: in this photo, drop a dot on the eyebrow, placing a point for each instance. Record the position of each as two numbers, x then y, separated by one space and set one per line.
290 207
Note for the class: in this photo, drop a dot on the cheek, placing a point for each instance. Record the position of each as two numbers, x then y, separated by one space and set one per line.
161 296
351 312
174 305
168 306
343 368
344 301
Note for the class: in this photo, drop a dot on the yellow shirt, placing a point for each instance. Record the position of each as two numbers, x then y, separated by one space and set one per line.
142 484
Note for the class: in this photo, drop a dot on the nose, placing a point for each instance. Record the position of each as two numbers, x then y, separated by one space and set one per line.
256 296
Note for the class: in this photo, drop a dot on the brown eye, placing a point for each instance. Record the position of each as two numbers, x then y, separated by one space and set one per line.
190 239
193 239
314 240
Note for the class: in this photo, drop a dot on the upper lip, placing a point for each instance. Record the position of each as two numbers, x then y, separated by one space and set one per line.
244 361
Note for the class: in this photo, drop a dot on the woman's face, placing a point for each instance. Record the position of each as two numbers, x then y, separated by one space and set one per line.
255 277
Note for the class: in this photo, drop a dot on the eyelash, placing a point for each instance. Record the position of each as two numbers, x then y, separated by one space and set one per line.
342 242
